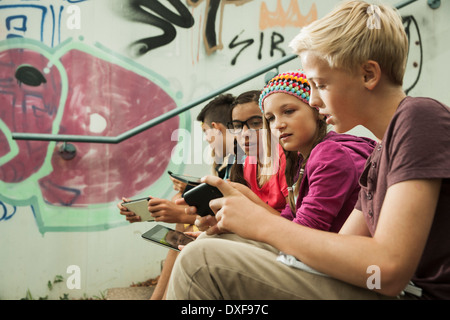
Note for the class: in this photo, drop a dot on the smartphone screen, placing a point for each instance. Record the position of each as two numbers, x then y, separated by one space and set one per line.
167 237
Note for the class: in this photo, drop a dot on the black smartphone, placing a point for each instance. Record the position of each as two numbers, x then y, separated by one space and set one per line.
190 180
200 196
167 237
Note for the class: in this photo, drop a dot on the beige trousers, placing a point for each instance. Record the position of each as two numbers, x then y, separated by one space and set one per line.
231 268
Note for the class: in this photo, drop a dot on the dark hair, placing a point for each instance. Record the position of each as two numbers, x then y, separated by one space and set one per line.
246 97
217 110
237 170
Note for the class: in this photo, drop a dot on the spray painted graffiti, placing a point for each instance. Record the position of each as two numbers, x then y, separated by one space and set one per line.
146 11
290 17
280 17
415 55
212 38
43 23
54 85
275 39
78 91
155 13
70 88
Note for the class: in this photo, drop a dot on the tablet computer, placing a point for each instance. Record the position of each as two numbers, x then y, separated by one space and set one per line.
140 208
167 237
190 180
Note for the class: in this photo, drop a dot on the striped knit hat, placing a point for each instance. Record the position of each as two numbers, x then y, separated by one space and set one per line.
292 82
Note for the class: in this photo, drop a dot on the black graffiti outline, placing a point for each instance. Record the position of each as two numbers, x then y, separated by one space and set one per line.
210 27
163 19
408 20
233 44
274 42
212 10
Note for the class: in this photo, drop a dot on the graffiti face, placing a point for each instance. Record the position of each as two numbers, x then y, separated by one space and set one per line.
105 99
78 93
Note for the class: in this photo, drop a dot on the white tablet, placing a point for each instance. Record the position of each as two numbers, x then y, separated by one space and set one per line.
140 208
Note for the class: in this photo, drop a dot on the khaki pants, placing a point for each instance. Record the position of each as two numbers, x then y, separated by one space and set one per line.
231 268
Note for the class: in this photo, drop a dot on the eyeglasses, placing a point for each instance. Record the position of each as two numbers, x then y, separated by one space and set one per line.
236 126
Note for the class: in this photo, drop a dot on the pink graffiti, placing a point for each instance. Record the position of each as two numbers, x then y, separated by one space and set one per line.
97 89
26 108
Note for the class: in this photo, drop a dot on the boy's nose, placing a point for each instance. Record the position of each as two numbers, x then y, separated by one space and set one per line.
314 99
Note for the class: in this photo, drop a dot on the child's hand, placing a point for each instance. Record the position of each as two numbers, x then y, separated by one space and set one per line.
194 234
130 216
234 212
178 185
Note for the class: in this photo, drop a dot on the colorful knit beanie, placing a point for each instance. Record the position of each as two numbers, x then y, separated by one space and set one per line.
292 82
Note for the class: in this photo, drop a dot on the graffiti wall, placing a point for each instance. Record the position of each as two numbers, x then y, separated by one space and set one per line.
102 67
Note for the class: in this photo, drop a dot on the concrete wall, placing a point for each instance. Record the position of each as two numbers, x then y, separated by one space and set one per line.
103 67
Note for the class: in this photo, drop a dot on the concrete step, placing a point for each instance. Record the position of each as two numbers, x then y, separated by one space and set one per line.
130 293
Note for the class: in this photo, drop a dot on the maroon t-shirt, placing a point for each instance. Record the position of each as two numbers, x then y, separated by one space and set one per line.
416 145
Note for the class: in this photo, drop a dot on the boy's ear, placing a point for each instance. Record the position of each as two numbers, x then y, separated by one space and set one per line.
214 125
371 73
217 125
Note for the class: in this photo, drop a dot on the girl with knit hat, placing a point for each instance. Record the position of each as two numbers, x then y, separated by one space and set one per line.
322 166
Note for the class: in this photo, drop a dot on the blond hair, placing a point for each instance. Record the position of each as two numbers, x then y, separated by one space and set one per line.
355 32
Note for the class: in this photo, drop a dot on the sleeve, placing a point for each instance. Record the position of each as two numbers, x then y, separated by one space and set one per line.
332 178
419 142
287 213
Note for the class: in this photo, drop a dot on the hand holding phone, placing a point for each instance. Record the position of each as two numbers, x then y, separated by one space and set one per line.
200 196
190 180
140 208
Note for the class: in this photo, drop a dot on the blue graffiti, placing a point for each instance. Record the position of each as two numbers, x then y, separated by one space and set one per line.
33 21
5 212
16 32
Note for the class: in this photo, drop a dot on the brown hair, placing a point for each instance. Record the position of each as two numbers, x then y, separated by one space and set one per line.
237 170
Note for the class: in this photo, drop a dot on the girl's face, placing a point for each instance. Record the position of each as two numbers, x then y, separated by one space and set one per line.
248 138
292 121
